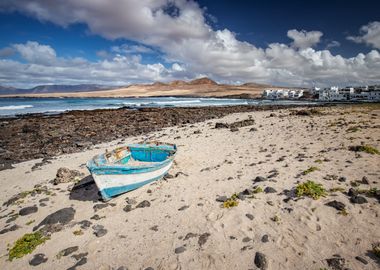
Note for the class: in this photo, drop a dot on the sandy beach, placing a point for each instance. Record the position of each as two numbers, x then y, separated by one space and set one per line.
179 222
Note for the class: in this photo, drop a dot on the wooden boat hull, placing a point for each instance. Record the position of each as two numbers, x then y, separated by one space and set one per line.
111 185
117 172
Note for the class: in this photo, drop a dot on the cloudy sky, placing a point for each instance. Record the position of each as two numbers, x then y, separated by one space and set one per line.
119 42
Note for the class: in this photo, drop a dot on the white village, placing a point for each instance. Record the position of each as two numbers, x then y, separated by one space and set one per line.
333 93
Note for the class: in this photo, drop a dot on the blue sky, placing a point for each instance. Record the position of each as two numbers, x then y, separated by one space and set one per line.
121 42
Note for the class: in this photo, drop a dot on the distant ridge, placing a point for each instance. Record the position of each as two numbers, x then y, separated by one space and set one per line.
200 81
202 87
53 88
203 81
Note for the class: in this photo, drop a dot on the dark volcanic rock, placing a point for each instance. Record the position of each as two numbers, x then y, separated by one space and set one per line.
28 210
5 166
246 239
265 238
358 199
10 229
38 259
342 179
336 263
270 190
249 216
221 198
361 259
337 205
85 224
365 180
62 217
79 263
190 235
68 251
259 179
183 208
79 256
203 238
261 261
179 250
221 125
99 206
127 208
352 192
143 204
99 230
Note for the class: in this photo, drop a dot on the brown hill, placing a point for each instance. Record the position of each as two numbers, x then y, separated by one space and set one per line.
178 83
202 81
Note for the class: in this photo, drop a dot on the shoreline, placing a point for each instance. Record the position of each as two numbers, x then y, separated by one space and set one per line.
179 222
75 131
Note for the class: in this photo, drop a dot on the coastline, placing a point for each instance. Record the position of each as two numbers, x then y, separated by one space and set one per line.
184 225
75 131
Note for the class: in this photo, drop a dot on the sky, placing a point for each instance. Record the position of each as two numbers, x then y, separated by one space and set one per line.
121 42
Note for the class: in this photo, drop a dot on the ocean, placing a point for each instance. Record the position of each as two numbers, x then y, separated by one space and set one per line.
20 106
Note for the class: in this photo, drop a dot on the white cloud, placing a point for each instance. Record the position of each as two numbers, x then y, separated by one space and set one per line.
115 70
131 49
370 35
36 53
303 39
186 41
333 44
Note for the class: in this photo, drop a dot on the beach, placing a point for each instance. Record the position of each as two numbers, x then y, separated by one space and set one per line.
253 157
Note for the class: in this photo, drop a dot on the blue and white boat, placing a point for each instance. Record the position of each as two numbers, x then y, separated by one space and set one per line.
130 167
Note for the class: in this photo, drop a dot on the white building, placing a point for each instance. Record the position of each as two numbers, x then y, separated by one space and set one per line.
330 94
349 93
282 93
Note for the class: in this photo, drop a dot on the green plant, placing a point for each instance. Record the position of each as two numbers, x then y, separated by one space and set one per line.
26 244
364 148
343 212
257 190
230 203
319 161
275 219
376 249
78 232
310 170
30 222
310 189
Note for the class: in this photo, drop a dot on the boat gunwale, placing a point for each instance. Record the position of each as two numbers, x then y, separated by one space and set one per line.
93 167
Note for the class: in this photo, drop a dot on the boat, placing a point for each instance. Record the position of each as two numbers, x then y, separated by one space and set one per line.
130 167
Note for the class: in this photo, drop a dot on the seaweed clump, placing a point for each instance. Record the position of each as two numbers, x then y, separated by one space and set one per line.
310 170
231 202
376 249
26 244
310 189
364 148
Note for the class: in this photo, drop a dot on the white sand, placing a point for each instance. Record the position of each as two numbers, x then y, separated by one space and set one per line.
303 238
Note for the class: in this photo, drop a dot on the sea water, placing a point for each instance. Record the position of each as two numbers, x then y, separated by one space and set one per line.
19 106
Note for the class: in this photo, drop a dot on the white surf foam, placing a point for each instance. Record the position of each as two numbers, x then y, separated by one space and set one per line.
16 107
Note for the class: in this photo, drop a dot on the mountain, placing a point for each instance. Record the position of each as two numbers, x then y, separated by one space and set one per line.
67 88
202 81
202 87
45 89
178 83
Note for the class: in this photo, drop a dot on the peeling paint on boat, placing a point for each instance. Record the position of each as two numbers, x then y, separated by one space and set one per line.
130 167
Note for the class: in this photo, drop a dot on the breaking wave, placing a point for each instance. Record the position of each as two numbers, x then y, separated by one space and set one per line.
16 107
